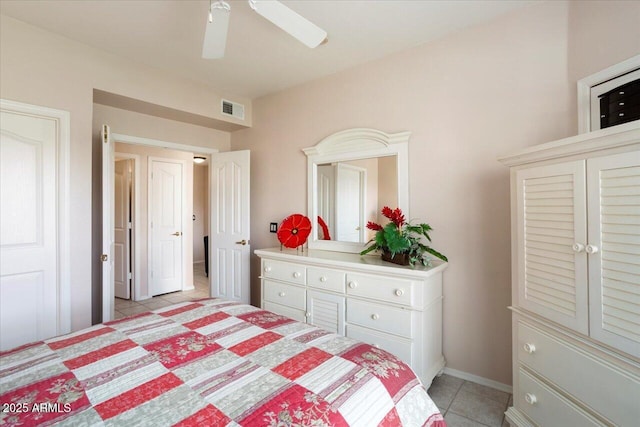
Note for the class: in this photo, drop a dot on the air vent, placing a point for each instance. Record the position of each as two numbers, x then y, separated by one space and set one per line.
233 109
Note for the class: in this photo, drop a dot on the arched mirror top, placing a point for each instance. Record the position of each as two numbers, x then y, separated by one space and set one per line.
351 175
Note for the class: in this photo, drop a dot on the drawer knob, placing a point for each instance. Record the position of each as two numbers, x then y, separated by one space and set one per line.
578 247
375 316
529 348
591 249
307 314
353 285
530 398
267 269
296 274
399 292
281 294
323 279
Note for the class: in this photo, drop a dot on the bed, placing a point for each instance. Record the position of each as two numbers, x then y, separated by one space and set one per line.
209 362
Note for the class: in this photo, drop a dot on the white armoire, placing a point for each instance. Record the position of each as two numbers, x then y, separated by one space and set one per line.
575 229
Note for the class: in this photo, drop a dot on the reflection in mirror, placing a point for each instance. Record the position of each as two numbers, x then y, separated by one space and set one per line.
351 176
351 193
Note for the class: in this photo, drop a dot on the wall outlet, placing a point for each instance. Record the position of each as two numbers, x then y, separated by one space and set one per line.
273 227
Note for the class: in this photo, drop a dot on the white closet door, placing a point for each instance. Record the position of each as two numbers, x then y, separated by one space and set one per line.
28 237
614 243
552 262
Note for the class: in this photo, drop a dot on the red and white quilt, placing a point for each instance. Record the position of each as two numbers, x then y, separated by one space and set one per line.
209 363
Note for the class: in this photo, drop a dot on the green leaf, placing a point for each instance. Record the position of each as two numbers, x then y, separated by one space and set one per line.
369 249
395 241
436 253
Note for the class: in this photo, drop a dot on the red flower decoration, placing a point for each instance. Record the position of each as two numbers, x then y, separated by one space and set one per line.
294 230
394 215
325 229
373 226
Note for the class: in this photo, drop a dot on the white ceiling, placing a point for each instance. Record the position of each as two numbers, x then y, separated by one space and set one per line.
260 58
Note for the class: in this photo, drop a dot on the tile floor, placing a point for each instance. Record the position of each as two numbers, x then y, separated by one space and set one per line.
463 403
125 308
467 404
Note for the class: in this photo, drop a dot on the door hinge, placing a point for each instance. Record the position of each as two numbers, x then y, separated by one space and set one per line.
129 225
129 276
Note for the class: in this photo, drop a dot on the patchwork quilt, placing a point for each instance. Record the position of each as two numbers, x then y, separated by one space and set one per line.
209 362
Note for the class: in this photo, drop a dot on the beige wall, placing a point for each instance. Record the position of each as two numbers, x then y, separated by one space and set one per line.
200 210
467 98
42 68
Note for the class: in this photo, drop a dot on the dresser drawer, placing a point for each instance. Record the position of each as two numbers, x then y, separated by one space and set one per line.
397 291
546 407
609 391
380 317
284 294
399 347
294 273
326 279
291 313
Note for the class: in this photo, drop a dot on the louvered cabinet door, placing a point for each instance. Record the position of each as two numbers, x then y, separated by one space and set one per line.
613 185
326 311
551 238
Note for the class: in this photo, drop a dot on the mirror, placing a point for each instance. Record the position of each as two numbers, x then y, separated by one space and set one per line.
351 175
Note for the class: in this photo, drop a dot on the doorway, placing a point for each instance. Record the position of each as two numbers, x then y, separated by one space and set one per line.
228 201
123 257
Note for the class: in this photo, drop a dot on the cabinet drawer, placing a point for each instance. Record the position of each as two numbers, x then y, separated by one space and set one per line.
397 346
547 408
380 317
294 273
397 291
323 278
284 294
291 313
609 391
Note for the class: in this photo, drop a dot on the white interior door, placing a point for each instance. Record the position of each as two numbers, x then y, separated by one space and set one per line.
166 226
326 195
350 183
28 240
229 237
107 223
122 229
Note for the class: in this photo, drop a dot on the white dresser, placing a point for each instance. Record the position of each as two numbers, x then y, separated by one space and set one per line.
396 308
576 280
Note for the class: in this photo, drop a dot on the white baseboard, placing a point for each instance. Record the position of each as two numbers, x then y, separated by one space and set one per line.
479 380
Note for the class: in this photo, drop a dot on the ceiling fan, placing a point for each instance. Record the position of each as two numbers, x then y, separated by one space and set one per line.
215 37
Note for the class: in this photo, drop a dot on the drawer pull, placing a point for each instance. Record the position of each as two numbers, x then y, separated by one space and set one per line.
399 292
267 269
353 285
530 398
376 345
323 279
529 348
375 316
578 247
296 275
307 314
281 294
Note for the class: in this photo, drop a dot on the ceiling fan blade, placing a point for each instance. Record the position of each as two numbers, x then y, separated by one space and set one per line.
215 36
288 20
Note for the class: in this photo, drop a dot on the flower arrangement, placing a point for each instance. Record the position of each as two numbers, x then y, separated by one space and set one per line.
399 240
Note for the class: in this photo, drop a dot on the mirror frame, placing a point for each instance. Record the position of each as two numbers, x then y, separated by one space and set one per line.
355 144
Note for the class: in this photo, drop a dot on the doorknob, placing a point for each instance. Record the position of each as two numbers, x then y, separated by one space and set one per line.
177 233
241 242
